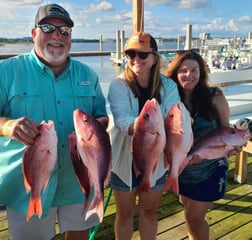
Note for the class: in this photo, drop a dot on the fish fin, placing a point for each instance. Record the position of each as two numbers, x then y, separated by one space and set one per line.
45 185
172 184
108 175
97 210
166 160
27 185
144 185
35 207
136 169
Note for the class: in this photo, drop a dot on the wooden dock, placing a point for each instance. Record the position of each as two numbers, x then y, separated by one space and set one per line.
229 218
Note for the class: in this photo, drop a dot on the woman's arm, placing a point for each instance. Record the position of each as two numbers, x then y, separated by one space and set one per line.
222 109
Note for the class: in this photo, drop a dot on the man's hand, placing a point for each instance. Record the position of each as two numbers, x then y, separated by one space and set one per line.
21 129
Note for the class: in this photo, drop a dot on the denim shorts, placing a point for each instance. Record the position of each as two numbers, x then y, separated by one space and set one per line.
118 185
209 190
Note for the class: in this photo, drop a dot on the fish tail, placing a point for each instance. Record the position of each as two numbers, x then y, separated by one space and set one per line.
144 186
35 207
172 183
86 204
98 210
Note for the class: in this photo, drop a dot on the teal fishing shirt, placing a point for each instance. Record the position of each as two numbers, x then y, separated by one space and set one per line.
29 88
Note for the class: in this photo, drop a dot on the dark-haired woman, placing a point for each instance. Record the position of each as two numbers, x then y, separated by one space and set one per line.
202 183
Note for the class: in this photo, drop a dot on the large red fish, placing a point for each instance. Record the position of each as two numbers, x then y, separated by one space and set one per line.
80 168
217 143
38 162
148 142
94 148
179 139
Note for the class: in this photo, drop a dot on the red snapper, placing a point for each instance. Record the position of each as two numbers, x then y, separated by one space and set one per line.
148 142
39 160
94 148
179 139
217 143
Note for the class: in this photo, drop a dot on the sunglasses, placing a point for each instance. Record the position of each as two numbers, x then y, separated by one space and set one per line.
193 50
133 54
50 28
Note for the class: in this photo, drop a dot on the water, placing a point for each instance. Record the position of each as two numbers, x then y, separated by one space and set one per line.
103 66
77 47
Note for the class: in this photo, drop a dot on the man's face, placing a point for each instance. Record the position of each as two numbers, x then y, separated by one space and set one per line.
52 48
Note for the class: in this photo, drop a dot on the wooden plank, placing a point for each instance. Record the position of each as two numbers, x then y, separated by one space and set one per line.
235 235
237 220
230 216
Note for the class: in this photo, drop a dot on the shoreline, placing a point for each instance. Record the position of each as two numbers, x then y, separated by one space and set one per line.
84 53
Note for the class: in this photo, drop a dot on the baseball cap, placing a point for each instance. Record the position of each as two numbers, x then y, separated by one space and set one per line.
142 41
53 11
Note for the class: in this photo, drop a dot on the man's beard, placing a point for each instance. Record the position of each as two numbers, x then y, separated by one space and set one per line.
55 55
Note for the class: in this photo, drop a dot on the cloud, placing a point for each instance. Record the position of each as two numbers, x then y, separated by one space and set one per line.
245 20
193 4
103 6
126 17
182 4
232 26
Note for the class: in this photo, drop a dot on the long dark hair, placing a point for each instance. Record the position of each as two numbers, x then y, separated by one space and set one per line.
201 101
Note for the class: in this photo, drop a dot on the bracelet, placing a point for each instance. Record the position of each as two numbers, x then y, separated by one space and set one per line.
4 128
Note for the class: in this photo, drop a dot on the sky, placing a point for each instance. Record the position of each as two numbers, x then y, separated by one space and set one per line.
162 18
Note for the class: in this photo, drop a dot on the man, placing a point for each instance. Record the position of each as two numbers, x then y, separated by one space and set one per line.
45 84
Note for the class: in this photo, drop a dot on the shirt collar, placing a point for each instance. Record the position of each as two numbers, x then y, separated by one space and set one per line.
44 67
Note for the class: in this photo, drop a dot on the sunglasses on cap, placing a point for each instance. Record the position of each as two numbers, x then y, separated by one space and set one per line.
132 54
50 28
193 50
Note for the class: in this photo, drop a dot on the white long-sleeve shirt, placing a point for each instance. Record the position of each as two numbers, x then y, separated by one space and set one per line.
125 109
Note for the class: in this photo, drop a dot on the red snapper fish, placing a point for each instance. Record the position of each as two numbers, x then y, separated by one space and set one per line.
94 148
148 142
217 143
179 140
80 168
39 160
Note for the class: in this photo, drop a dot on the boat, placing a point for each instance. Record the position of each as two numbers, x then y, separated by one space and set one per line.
231 77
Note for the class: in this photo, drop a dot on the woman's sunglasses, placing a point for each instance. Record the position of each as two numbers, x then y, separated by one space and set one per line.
193 50
132 54
50 28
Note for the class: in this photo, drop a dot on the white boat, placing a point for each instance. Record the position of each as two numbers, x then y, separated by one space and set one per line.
231 77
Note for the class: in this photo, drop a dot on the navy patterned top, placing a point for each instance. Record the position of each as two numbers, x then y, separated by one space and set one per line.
201 171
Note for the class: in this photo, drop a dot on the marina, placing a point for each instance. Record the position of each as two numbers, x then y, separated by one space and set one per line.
231 216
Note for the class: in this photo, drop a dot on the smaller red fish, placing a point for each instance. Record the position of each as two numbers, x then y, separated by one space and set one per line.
179 139
217 143
148 142
39 160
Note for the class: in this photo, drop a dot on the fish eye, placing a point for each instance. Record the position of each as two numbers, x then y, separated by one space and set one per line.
85 120
146 116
